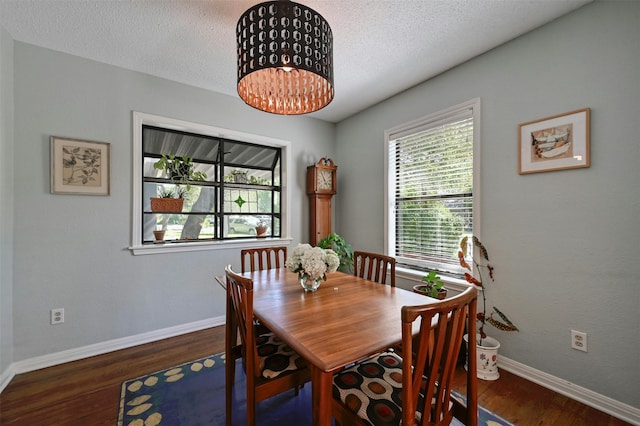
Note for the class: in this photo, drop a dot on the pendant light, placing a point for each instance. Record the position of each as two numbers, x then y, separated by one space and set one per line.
285 58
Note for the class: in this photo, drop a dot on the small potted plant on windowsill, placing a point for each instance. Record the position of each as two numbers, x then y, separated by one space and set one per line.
261 229
159 234
181 173
434 286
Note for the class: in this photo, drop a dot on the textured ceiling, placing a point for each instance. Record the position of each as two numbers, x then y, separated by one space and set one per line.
381 47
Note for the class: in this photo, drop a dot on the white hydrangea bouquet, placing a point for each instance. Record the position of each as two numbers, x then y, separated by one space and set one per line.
312 263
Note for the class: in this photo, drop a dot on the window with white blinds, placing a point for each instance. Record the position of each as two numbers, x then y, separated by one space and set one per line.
431 187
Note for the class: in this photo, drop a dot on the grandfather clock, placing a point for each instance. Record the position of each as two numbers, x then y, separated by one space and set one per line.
321 187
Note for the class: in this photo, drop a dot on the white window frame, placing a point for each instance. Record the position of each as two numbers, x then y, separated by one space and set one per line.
389 170
138 248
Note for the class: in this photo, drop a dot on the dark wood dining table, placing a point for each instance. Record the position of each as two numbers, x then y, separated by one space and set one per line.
345 320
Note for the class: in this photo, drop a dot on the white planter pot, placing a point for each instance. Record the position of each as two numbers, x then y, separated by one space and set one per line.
487 357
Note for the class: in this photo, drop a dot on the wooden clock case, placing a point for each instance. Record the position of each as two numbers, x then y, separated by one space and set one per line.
321 187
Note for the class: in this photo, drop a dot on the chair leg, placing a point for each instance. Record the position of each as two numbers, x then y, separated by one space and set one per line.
231 336
251 405
228 388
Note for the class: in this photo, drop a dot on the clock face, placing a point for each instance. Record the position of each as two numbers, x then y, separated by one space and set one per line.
325 180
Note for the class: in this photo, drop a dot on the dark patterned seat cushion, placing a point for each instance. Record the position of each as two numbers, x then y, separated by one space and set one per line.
372 389
275 356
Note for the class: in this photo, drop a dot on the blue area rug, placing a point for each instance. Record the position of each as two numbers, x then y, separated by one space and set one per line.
192 394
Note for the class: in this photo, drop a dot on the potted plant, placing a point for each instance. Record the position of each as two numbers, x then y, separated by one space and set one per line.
180 172
487 347
239 176
159 234
167 201
261 229
434 286
340 247
179 169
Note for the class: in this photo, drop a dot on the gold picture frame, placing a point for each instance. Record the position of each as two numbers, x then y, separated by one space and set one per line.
558 142
79 167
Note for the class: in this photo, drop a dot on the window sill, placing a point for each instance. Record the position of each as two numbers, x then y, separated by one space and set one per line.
162 248
455 284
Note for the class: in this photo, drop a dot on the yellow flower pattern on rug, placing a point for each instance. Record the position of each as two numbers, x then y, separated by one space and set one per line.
141 407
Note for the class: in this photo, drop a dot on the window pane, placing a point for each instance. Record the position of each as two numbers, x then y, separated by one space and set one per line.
241 187
179 227
432 169
241 225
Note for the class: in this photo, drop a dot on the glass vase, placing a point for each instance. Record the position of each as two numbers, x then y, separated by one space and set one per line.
309 284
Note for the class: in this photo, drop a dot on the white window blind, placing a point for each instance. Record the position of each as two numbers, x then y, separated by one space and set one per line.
431 171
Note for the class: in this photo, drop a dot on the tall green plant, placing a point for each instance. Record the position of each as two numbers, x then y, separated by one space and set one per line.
341 247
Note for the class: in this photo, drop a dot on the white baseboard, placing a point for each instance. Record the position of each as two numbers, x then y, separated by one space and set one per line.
592 399
6 377
75 354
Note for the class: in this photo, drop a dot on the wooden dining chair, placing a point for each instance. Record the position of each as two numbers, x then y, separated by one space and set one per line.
271 366
386 387
258 259
374 267
261 258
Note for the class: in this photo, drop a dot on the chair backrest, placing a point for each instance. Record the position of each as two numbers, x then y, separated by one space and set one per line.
374 267
240 292
434 355
258 259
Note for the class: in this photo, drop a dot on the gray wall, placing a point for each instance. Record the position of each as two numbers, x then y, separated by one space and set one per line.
71 251
6 195
564 243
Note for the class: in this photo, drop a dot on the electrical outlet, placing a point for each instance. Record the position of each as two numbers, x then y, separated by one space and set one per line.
579 340
57 316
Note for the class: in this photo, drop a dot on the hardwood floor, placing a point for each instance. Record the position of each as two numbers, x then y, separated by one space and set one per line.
87 392
527 404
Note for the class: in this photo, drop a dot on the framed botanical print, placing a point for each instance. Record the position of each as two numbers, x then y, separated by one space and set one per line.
79 166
